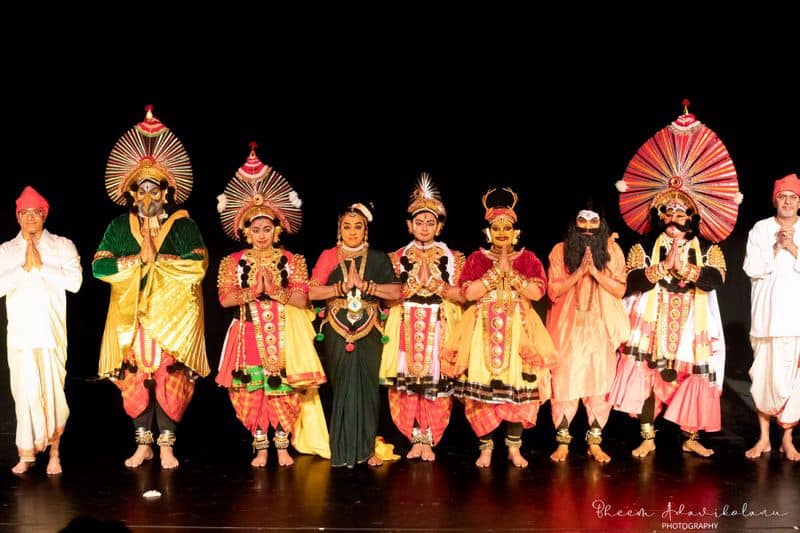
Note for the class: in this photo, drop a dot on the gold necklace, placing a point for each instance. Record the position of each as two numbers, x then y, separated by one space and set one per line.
355 305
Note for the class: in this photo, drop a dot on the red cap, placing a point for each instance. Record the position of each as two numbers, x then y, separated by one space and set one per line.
30 199
786 183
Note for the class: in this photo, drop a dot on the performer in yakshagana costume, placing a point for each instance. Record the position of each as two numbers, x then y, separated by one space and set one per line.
420 399
502 352
680 186
586 283
154 258
269 363
353 278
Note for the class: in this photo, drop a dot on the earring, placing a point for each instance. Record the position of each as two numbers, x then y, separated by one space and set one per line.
488 235
338 236
276 235
438 229
366 233
515 240
247 237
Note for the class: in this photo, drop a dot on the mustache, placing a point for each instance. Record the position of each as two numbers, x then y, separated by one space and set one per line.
680 227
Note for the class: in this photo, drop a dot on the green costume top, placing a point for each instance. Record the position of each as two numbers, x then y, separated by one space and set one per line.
165 296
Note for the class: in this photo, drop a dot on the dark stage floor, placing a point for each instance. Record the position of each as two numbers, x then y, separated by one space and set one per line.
215 488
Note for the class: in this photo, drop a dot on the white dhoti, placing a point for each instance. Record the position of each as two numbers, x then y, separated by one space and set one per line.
37 385
36 307
776 377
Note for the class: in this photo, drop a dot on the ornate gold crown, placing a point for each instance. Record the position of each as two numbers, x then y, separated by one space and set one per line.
426 198
499 211
146 169
675 197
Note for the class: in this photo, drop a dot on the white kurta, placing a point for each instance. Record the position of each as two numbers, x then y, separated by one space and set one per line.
775 328
36 307
775 282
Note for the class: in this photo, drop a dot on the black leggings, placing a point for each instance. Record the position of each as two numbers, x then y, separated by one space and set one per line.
153 410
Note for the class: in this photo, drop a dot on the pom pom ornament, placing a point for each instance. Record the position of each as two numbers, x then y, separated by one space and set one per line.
222 201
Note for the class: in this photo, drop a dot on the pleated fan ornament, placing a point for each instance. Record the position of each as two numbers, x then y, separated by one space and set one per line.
258 190
687 159
148 151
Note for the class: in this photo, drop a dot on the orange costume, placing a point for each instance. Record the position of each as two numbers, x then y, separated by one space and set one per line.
587 323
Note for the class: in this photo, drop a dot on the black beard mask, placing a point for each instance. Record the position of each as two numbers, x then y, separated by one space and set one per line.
576 242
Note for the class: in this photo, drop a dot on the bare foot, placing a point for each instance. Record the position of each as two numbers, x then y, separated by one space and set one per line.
695 447
374 461
516 458
143 453
260 460
598 454
644 449
54 465
415 452
21 467
560 454
484 459
168 459
762 446
427 453
788 448
284 459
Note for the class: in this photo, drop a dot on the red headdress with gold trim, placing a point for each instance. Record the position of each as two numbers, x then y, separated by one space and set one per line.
684 162
255 191
149 150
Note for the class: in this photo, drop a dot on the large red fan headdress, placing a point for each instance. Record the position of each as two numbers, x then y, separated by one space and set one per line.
685 159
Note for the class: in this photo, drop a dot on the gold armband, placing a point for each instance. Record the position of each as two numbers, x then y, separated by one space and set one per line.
655 272
636 258
490 279
280 295
437 286
245 296
689 272
124 263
